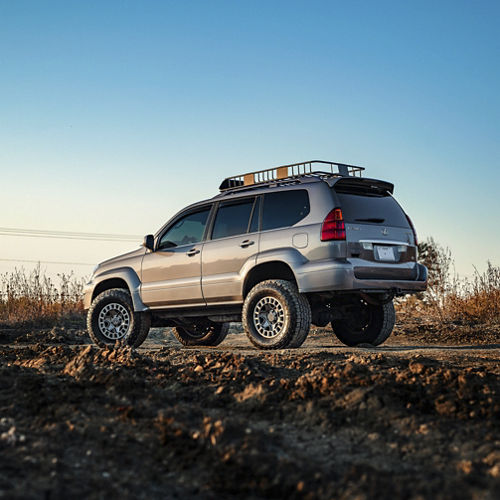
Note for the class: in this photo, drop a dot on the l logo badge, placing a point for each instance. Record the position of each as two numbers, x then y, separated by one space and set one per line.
385 232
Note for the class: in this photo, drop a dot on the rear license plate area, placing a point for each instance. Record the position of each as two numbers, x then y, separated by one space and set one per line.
384 254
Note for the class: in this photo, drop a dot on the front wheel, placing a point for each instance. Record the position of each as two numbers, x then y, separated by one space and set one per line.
112 318
365 323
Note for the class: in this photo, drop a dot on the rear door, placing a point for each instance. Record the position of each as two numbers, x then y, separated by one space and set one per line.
377 228
232 245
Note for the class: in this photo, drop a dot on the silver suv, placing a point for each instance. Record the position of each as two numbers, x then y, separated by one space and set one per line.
278 250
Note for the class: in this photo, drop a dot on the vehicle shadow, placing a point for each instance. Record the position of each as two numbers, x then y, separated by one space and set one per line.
400 348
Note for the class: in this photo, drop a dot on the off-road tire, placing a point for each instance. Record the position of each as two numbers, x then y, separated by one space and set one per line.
303 327
378 327
140 323
214 335
297 316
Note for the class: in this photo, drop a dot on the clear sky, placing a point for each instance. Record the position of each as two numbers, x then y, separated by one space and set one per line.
115 114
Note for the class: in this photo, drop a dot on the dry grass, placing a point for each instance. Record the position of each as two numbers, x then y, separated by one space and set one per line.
476 300
31 297
451 299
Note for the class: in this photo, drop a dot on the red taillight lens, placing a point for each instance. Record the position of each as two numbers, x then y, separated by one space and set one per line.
333 227
413 229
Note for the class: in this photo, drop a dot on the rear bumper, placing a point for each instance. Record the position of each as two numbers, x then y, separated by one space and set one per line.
341 276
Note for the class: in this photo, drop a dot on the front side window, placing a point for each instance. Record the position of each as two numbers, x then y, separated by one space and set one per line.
232 218
187 230
285 208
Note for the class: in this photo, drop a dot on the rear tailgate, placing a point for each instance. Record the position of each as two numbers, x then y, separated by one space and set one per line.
380 240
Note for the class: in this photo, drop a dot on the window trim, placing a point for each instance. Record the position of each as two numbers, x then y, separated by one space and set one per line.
257 200
234 201
195 210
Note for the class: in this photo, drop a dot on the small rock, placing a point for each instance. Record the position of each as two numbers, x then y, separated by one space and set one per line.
10 436
492 458
416 368
465 466
495 471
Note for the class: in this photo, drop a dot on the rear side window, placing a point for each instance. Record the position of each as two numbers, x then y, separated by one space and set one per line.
368 209
284 208
232 219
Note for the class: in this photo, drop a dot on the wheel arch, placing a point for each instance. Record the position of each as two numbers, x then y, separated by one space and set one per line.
274 269
107 284
125 278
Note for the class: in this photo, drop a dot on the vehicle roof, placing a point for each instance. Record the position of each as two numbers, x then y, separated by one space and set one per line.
292 184
308 182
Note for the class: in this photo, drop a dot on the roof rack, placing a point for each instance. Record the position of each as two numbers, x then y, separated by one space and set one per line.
290 172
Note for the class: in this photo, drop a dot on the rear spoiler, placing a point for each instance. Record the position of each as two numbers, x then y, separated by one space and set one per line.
361 184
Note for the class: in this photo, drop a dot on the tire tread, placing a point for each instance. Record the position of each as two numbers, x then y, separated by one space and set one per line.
295 302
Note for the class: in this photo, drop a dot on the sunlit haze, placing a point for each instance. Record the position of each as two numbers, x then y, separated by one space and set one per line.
114 115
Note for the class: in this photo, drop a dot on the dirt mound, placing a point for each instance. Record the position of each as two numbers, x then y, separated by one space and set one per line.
79 421
53 335
92 363
433 331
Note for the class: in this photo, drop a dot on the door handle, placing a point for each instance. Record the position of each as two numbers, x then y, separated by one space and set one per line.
192 252
246 243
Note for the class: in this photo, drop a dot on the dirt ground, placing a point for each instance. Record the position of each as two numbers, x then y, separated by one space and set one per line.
418 417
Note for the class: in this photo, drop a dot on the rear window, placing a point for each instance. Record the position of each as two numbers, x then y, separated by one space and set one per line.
284 208
372 209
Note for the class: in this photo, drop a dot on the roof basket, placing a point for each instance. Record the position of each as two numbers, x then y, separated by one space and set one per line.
290 172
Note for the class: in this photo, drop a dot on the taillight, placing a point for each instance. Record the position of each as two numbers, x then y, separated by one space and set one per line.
413 229
333 227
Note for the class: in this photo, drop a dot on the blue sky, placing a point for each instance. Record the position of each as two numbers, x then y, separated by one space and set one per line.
115 114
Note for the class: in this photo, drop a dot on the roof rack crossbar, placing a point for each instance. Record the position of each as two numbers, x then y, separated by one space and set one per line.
289 172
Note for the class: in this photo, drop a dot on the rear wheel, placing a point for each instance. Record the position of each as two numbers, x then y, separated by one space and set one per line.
202 333
275 315
112 318
365 323
302 331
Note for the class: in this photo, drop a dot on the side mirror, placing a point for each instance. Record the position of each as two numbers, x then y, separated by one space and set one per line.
149 242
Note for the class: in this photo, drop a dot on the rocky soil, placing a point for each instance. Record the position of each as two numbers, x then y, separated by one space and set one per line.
409 419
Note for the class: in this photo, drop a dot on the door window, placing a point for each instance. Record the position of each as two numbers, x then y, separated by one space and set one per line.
187 230
232 218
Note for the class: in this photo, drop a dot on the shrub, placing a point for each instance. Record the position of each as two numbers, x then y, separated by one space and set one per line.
32 297
451 298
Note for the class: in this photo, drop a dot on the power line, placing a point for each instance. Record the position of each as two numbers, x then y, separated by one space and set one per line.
68 235
48 262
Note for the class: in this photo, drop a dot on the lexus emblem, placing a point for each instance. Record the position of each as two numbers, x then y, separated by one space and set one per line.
385 232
